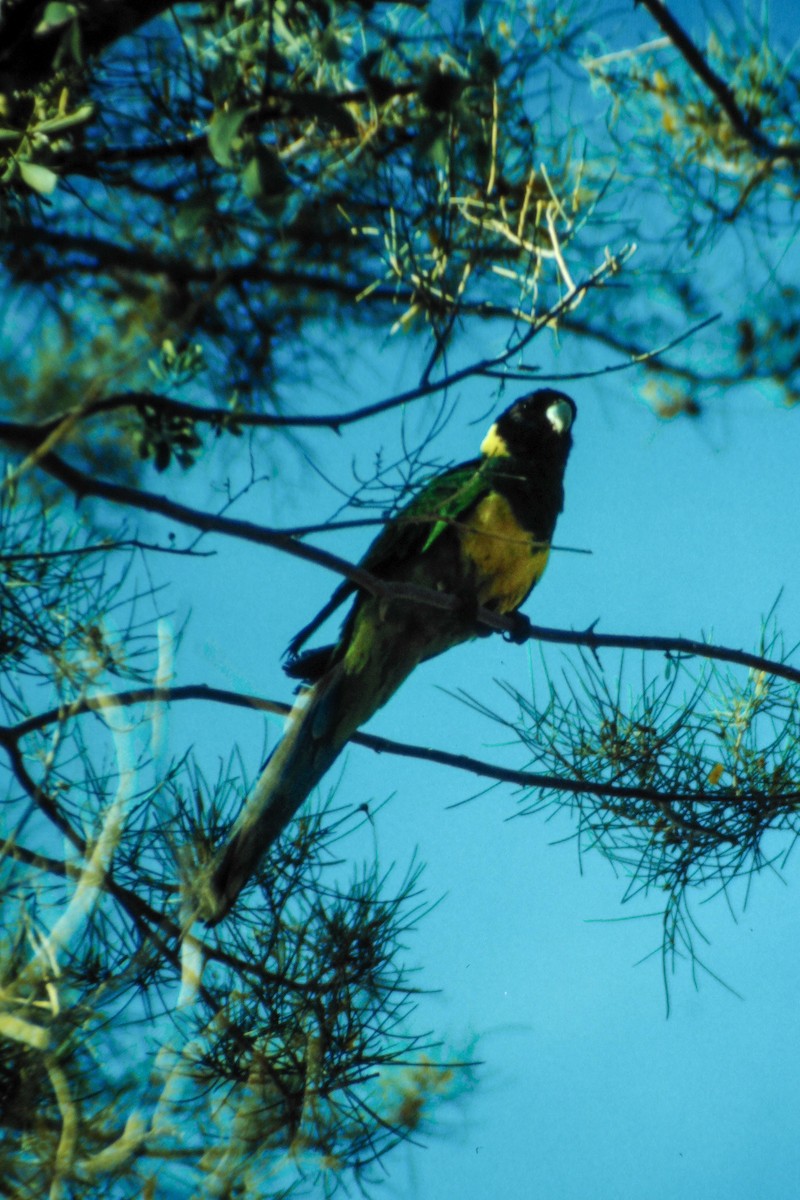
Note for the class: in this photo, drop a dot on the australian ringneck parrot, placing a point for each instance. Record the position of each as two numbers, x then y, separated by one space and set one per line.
480 532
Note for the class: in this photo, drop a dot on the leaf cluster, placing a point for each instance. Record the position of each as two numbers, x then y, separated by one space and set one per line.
134 1048
236 176
682 782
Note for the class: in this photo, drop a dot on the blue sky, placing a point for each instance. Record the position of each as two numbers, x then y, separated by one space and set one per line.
587 1088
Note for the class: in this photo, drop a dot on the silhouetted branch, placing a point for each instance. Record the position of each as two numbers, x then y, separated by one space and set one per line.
152 922
636 357
704 71
382 745
32 433
667 645
517 627
104 548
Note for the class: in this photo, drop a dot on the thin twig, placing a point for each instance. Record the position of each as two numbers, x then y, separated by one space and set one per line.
381 745
31 435
716 84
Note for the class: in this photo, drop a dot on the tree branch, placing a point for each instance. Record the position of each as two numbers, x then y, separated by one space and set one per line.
30 435
636 356
151 922
221 416
123 544
83 484
517 627
382 745
27 50
690 647
138 258
719 88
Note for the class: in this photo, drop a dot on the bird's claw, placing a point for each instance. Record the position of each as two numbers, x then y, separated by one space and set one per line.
520 631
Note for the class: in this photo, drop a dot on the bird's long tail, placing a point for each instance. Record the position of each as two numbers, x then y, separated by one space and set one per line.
314 739
382 649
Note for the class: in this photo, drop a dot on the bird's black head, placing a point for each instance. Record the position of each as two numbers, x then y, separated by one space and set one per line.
543 420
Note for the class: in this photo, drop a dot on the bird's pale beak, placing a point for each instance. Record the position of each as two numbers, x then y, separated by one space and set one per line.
559 414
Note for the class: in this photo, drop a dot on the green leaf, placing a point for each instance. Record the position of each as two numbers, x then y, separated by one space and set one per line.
76 43
223 133
264 178
433 143
193 216
56 14
76 118
40 179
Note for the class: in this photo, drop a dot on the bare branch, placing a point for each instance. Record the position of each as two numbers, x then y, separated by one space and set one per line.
666 645
719 88
382 745
33 433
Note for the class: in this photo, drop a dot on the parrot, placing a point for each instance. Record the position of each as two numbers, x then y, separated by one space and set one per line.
479 532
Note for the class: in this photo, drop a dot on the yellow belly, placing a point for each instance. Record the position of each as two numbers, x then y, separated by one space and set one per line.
508 561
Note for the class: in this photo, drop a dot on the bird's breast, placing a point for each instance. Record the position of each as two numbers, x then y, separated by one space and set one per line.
507 559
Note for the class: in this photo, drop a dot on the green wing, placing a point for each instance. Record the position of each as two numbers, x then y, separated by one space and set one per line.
412 531
417 526
465 486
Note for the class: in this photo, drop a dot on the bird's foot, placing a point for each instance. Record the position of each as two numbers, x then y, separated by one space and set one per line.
520 631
